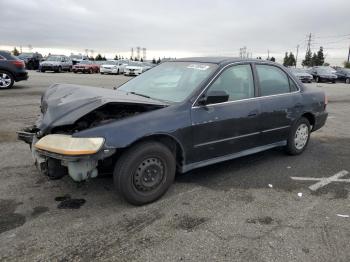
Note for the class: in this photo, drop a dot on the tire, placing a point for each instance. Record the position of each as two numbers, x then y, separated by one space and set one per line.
59 70
75 72
347 81
102 73
317 79
6 80
295 147
91 71
42 70
144 172
118 72
333 81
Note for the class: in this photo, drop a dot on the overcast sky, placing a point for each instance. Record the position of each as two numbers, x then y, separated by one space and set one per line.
177 28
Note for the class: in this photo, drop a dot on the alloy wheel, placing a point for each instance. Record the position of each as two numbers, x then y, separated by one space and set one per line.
5 80
301 136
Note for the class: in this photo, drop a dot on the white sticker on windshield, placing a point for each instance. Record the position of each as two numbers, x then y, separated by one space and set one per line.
198 67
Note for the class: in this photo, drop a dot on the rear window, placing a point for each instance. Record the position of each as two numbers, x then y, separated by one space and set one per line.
8 56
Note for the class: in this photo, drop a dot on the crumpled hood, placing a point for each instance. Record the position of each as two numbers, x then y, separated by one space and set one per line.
63 104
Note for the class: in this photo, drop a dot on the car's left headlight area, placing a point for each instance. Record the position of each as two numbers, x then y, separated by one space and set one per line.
70 146
58 154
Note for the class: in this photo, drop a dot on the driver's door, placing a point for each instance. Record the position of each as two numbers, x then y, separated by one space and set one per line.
229 127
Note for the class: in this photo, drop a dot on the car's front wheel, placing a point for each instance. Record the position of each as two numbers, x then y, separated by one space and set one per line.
299 136
144 172
6 80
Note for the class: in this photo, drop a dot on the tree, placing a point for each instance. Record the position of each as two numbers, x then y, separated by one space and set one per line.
320 56
326 64
158 61
285 59
273 59
291 58
99 57
347 64
131 58
314 61
141 60
15 52
91 58
116 57
136 59
307 61
154 61
104 58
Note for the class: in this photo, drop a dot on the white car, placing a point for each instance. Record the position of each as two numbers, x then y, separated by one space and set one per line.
135 68
113 67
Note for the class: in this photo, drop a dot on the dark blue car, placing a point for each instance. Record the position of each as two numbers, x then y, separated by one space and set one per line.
12 70
178 116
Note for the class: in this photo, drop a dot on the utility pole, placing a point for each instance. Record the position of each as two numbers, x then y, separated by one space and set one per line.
349 55
296 57
268 54
138 52
309 43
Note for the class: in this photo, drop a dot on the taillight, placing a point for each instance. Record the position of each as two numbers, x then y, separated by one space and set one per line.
18 63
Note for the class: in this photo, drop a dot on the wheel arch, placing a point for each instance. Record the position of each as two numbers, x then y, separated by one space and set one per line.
169 141
311 118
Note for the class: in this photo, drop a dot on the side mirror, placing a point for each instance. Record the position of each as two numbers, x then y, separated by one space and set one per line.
214 97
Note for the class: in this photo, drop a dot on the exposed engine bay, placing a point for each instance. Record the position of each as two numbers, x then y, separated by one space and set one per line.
104 115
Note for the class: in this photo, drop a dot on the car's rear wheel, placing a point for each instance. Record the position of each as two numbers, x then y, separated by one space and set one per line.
90 71
59 70
347 81
6 80
299 137
144 172
317 79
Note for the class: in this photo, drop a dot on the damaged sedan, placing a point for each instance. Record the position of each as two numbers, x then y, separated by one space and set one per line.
178 116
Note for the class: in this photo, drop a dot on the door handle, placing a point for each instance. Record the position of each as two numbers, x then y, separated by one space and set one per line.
253 113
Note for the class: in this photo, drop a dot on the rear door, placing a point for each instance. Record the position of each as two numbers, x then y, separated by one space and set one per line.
280 102
225 128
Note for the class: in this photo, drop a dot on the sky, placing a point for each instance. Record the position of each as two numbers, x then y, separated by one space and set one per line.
179 28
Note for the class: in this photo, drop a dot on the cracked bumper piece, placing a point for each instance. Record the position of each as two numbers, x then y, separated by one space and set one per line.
79 155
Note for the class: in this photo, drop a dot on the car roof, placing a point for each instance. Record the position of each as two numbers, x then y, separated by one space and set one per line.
219 60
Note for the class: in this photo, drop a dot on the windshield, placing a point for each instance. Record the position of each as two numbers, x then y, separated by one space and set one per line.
26 55
170 81
85 63
110 63
324 71
54 58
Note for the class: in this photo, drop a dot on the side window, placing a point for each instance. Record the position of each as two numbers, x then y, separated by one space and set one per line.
2 58
236 81
293 86
272 80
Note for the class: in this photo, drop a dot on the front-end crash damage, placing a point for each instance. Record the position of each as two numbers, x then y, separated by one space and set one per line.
66 110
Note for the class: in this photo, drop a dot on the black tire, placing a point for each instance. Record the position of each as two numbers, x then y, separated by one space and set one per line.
6 80
42 70
59 69
291 147
118 72
347 80
142 164
317 79
333 81
102 73
91 71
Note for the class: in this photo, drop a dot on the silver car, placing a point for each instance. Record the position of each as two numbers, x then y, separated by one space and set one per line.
56 63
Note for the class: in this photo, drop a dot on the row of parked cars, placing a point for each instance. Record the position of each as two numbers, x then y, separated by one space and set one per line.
59 63
322 74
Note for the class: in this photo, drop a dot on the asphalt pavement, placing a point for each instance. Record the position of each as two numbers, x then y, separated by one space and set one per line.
248 209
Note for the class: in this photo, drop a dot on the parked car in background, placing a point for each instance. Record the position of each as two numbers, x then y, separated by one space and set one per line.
12 70
113 67
147 65
181 115
56 63
323 74
135 68
302 74
86 67
343 74
78 58
31 60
